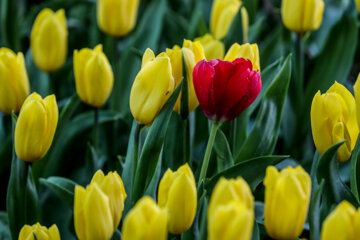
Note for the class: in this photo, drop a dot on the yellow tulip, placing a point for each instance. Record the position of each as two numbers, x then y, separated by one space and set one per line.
214 49
35 127
222 15
302 15
342 224
42 233
117 17
358 5
14 82
231 210
177 193
287 197
357 99
146 221
93 76
333 119
49 39
152 87
247 51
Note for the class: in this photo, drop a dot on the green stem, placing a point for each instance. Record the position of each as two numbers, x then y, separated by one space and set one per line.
205 164
233 131
96 129
186 140
301 63
136 145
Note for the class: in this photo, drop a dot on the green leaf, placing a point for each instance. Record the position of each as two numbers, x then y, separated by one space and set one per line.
10 13
64 188
355 170
235 33
263 137
252 170
222 149
314 212
4 226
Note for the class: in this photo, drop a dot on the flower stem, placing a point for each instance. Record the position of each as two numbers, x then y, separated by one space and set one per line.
96 129
205 164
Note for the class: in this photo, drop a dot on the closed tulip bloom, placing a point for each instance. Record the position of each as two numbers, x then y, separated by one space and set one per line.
177 193
35 127
214 49
48 40
225 89
333 119
117 17
94 77
146 221
357 99
14 82
302 15
42 233
342 224
287 197
246 51
113 187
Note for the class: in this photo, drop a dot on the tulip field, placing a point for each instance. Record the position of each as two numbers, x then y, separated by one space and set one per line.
179 119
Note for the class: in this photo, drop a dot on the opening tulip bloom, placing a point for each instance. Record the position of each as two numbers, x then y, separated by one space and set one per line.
225 89
213 48
42 233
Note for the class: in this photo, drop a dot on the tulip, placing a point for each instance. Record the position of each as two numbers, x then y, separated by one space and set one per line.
358 5
302 15
177 193
246 51
14 82
93 76
113 187
342 224
49 39
357 99
117 17
146 221
287 197
223 13
213 48
152 87
42 233
35 127
225 89
193 52
333 119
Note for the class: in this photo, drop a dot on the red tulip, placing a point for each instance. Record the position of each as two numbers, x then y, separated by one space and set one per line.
225 89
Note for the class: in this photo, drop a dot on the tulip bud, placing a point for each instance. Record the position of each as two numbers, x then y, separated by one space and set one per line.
14 82
246 51
93 76
287 198
117 17
152 87
146 221
342 223
42 233
333 119
357 98
231 210
113 187
225 89
35 127
214 49
302 15
223 13
177 193
49 39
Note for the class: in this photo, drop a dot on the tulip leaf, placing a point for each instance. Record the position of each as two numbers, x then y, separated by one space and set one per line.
222 149
150 153
314 212
4 226
64 188
10 13
334 189
355 170
252 170
256 232
264 134
235 33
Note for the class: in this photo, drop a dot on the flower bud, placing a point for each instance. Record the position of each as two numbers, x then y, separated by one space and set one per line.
302 15
246 51
49 39
117 17
287 198
152 87
225 89
42 233
14 82
177 193
231 210
333 119
214 49
146 221
35 127
93 76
